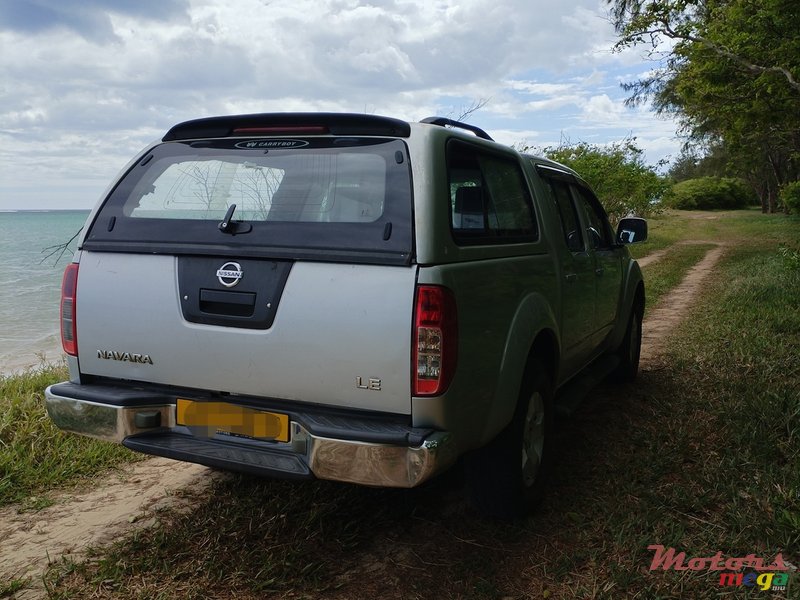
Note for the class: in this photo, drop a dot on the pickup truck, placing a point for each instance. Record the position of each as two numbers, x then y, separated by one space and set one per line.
346 297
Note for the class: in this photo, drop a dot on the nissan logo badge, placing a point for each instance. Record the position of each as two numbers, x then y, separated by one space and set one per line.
229 274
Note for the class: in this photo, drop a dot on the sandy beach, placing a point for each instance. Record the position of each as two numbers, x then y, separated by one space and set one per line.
35 356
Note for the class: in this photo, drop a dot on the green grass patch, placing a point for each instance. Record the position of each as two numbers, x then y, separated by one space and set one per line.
702 454
35 456
753 328
9 587
664 230
671 227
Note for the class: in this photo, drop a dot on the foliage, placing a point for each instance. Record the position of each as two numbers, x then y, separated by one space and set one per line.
708 193
617 174
691 164
790 195
731 77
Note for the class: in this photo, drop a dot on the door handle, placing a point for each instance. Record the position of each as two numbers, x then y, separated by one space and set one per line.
572 277
599 272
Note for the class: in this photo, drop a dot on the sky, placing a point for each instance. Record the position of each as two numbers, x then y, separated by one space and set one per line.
86 84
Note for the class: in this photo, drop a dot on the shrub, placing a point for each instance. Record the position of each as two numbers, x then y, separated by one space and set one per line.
709 193
790 195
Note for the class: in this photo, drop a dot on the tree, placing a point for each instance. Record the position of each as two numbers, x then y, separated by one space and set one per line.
695 22
731 78
691 164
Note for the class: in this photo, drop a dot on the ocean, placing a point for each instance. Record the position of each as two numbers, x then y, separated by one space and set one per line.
30 284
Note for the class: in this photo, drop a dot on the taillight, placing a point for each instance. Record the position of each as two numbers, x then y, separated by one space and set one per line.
69 339
282 130
435 340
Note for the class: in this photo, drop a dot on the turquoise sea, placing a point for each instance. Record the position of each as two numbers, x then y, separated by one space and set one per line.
30 284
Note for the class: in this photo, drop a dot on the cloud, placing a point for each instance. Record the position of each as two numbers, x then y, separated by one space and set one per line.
91 19
536 88
85 84
603 110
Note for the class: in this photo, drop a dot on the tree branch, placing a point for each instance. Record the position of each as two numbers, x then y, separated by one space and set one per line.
59 249
472 108
722 51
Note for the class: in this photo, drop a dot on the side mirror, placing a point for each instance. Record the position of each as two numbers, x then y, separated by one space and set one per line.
631 230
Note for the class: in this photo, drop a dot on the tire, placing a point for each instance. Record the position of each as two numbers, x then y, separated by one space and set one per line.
506 478
630 348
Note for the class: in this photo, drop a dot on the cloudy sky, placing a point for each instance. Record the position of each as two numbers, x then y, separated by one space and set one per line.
85 84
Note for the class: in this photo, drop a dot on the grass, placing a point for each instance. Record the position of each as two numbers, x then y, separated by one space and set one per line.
755 322
702 455
35 456
663 231
673 226
8 587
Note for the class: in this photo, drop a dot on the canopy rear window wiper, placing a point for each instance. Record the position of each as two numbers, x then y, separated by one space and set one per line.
228 225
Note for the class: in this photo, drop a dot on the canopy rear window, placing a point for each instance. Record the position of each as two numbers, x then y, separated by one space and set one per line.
321 198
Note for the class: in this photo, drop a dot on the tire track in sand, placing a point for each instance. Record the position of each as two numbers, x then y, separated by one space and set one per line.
673 307
116 505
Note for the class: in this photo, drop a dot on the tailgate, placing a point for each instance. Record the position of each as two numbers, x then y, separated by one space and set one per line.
324 333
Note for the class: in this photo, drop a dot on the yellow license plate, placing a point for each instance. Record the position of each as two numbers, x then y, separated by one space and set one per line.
213 417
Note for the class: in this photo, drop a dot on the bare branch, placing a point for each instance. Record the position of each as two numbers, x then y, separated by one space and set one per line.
472 108
59 249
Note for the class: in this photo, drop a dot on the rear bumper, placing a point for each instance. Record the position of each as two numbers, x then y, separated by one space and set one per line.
355 449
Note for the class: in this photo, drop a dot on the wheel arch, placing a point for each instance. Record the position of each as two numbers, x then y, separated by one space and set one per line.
542 344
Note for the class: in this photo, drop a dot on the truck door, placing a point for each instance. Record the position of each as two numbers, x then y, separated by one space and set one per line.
578 285
607 257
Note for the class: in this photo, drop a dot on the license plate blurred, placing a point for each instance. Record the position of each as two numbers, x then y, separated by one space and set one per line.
221 417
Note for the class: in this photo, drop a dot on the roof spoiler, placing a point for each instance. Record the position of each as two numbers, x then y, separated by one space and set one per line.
278 124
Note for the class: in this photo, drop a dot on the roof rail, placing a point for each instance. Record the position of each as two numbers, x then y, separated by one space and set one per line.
445 122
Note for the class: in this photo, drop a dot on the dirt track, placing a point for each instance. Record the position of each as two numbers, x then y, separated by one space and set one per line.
124 501
121 502
660 321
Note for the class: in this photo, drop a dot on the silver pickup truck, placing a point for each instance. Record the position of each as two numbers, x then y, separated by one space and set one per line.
348 297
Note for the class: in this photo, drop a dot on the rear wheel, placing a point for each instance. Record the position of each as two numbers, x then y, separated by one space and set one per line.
506 478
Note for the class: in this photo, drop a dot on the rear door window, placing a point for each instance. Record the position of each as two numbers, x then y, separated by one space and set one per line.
570 226
598 231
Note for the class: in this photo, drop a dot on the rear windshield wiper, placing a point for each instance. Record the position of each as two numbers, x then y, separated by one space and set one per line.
228 225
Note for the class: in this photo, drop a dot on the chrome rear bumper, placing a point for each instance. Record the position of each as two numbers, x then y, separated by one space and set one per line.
348 460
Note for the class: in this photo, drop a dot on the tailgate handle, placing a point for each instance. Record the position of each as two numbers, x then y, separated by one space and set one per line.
237 304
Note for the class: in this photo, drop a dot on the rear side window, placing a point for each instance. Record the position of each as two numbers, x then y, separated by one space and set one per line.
489 198
326 198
